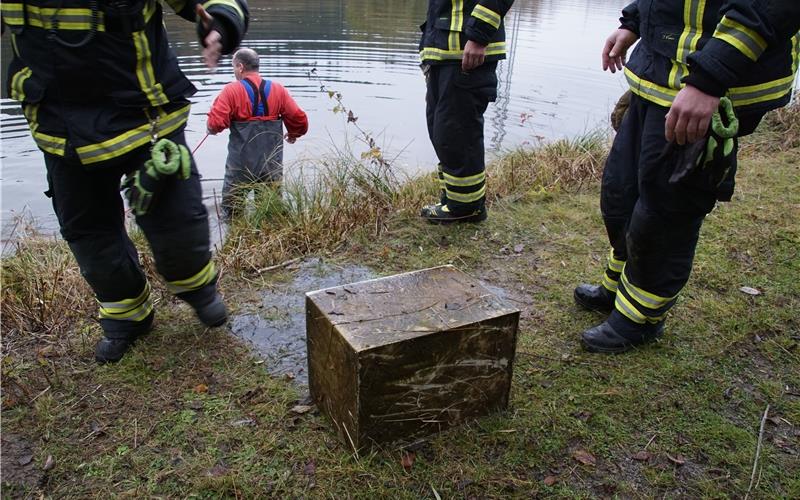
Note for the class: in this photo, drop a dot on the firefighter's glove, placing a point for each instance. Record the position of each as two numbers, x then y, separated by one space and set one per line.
142 187
714 157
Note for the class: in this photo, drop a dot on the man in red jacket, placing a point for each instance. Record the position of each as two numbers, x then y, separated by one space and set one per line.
255 110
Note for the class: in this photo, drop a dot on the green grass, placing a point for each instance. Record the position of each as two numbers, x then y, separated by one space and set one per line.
191 413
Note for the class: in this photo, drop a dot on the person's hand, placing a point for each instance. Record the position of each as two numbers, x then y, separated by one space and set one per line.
213 41
689 115
474 55
616 49
290 139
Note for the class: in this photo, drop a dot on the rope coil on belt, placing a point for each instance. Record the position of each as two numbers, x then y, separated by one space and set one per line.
168 158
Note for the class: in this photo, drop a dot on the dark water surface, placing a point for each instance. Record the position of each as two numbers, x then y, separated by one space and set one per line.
550 86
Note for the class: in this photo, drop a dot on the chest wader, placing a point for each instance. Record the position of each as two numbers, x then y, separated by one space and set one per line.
255 150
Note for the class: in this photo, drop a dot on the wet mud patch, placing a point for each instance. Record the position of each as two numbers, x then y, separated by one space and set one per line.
277 327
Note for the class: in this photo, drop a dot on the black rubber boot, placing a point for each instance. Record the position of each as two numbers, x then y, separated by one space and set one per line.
441 214
594 298
619 334
112 349
214 313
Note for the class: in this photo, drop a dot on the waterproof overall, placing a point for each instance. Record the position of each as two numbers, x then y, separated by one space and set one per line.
255 150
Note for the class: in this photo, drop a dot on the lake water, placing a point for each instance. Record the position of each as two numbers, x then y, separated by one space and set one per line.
551 85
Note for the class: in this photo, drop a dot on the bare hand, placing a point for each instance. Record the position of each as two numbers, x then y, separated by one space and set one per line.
474 55
290 139
689 115
616 49
213 41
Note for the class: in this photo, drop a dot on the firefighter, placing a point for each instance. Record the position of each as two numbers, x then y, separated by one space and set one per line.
703 75
462 40
104 98
256 110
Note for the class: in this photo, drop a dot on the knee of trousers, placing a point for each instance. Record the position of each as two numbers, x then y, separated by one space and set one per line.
181 252
111 269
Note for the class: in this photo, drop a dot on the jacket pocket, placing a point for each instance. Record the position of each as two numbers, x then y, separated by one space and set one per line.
665 40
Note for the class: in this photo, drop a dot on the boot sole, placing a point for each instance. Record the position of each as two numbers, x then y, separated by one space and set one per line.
456 220
590 307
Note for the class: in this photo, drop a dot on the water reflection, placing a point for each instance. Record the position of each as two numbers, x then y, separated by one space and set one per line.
550 86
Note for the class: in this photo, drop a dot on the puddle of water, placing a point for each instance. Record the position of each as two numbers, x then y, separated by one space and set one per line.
277 329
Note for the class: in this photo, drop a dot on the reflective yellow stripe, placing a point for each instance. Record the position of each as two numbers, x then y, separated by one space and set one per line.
137 313
644 298
456 22
693 11
228 3
48 143
144 71
132 139
134 309
51 18
199 280
466 197
149 9
614 264
434 54
487 15
746 41
742 96
628 310
609 284
18 82
472 180
650 91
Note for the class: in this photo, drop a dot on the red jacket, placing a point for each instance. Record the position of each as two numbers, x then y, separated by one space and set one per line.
233 104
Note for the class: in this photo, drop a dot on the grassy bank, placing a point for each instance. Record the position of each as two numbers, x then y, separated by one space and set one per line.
192 413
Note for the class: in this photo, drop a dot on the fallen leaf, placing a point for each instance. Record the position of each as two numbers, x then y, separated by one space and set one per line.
311 468
584 457
750 290
550 480
407 459
25 459
519 248
49 463
775 420
677 459
642 456
301 409
201 388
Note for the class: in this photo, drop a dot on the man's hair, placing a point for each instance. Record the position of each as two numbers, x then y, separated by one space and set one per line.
248 58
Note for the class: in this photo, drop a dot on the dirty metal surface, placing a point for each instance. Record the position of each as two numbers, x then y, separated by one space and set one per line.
407 355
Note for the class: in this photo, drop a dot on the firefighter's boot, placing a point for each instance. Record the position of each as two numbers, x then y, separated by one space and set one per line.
618 334
113 346
594 298
441 214
213 313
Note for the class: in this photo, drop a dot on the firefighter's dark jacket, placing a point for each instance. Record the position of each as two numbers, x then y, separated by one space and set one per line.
747 49
98 78
450 24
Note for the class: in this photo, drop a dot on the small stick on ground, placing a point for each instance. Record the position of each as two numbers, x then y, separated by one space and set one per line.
278 266
758 452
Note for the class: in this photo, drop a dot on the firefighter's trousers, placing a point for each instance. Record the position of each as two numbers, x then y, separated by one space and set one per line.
456 102
653 226
90 212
